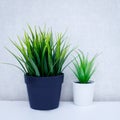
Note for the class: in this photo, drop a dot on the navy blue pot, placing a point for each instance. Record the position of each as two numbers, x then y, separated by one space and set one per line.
44 92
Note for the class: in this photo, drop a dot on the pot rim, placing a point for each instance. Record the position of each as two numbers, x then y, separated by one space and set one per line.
89 83
26 75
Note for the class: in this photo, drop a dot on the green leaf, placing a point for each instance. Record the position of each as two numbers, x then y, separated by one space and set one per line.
35 67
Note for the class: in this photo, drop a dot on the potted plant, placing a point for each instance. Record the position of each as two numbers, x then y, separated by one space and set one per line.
41 59
83 89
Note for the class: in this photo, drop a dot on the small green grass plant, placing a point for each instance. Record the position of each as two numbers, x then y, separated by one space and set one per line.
84 68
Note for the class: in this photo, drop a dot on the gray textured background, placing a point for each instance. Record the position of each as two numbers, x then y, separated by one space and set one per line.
92 25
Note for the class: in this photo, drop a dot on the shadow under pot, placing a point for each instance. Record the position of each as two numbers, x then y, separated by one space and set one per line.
44 92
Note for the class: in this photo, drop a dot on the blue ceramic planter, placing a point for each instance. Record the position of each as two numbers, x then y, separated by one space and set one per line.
44 92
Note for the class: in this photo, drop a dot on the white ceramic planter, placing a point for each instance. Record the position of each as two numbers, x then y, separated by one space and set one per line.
83 93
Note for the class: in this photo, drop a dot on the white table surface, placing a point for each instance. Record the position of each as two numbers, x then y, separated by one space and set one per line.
19 110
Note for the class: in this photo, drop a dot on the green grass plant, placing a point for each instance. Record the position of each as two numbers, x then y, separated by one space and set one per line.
84 68
41 53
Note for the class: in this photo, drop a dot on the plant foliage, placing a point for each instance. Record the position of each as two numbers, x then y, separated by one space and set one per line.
84 68
40 54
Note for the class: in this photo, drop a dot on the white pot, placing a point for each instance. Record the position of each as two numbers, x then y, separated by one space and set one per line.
83 93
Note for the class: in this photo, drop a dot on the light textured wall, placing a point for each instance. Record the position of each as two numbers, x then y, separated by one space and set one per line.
92 25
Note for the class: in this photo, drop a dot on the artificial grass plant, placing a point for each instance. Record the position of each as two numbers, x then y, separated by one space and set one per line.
41 54
84 68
